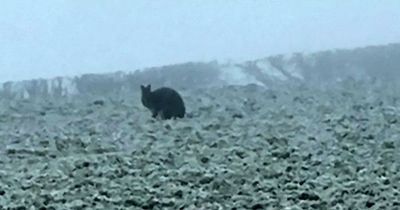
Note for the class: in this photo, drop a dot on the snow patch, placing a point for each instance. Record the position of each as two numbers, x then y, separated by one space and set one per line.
291 67
65 86
234 75
68 87
268 69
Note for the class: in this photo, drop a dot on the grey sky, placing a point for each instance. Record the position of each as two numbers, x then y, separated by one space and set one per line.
47 38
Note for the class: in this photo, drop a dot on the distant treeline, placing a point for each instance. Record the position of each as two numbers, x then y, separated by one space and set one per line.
187 75
375 62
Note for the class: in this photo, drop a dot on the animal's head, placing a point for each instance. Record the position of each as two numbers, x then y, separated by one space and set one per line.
146 93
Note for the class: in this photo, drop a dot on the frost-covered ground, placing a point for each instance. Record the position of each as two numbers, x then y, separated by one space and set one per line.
240 148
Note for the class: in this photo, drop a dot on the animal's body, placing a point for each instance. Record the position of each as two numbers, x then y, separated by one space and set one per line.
164 102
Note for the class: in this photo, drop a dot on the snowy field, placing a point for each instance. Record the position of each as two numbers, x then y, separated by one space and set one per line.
239 148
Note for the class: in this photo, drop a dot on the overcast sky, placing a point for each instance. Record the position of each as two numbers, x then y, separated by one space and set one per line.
47 38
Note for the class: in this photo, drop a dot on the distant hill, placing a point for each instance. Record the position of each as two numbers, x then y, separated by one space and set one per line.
320 68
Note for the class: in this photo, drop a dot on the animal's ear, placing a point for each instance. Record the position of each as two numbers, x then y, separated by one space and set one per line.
146 88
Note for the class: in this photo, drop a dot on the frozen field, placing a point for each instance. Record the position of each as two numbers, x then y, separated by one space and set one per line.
240 148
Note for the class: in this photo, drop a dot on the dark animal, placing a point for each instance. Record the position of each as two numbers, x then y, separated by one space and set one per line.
164 102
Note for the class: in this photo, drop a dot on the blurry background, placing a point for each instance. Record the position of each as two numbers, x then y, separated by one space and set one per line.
45 39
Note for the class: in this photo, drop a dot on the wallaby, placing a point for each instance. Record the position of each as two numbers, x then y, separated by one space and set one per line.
164 102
